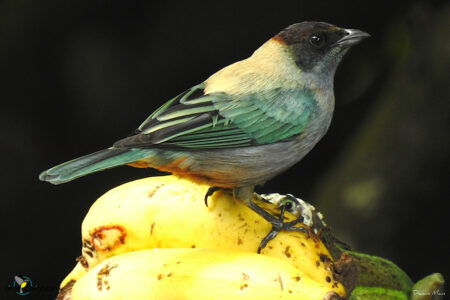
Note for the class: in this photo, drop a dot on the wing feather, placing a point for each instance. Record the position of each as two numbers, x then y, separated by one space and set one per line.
205 121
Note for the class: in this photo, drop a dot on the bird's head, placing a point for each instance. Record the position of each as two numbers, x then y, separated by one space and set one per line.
318 47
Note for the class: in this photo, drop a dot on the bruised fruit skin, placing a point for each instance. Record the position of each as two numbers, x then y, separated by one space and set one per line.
197 274
169 212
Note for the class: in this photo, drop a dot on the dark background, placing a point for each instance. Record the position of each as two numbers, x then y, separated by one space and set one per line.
78 75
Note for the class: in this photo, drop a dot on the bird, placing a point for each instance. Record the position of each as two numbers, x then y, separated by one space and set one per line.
242 126
22 283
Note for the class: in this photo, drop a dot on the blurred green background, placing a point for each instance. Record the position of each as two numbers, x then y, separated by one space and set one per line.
78 75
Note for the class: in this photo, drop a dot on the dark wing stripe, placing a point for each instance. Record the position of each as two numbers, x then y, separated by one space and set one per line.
208 134
184 132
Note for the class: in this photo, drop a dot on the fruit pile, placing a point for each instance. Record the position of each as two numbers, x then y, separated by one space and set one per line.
155 238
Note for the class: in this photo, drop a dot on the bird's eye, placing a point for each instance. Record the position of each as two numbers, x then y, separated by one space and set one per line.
289 203
317 40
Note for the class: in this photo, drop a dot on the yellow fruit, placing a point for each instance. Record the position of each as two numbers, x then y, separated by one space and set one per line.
178 274
77 272
169 212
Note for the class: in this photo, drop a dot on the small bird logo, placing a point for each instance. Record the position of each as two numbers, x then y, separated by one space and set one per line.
23 283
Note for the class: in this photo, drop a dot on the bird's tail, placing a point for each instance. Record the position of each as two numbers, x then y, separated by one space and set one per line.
94 162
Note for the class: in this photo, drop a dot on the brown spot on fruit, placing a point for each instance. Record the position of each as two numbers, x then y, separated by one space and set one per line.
160 276
245 276
82 260
99 284
317 263
332 296
324 258
280 280
327 262
303 244
88 245
243 225
244 286
106 270
240 218
328 279
152 227
102 274
89 253
239 241
106 238
297 278
65 292
290 291
169 275
153 191
193 246
286 252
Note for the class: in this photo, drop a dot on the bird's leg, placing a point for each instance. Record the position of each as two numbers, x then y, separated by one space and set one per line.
273 232
245 195
210 192
281 225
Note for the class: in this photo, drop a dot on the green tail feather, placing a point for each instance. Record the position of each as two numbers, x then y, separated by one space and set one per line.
94 162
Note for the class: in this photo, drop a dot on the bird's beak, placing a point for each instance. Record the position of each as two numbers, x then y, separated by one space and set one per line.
352 37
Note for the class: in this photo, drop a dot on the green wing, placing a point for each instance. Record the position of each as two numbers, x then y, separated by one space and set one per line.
201 121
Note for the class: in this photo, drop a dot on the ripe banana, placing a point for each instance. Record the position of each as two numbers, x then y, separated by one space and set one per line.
371 277
180 274
169 212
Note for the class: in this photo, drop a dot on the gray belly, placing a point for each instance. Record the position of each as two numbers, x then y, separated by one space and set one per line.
248 166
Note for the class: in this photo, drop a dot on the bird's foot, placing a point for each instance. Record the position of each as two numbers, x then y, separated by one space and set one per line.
210 192
278 224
